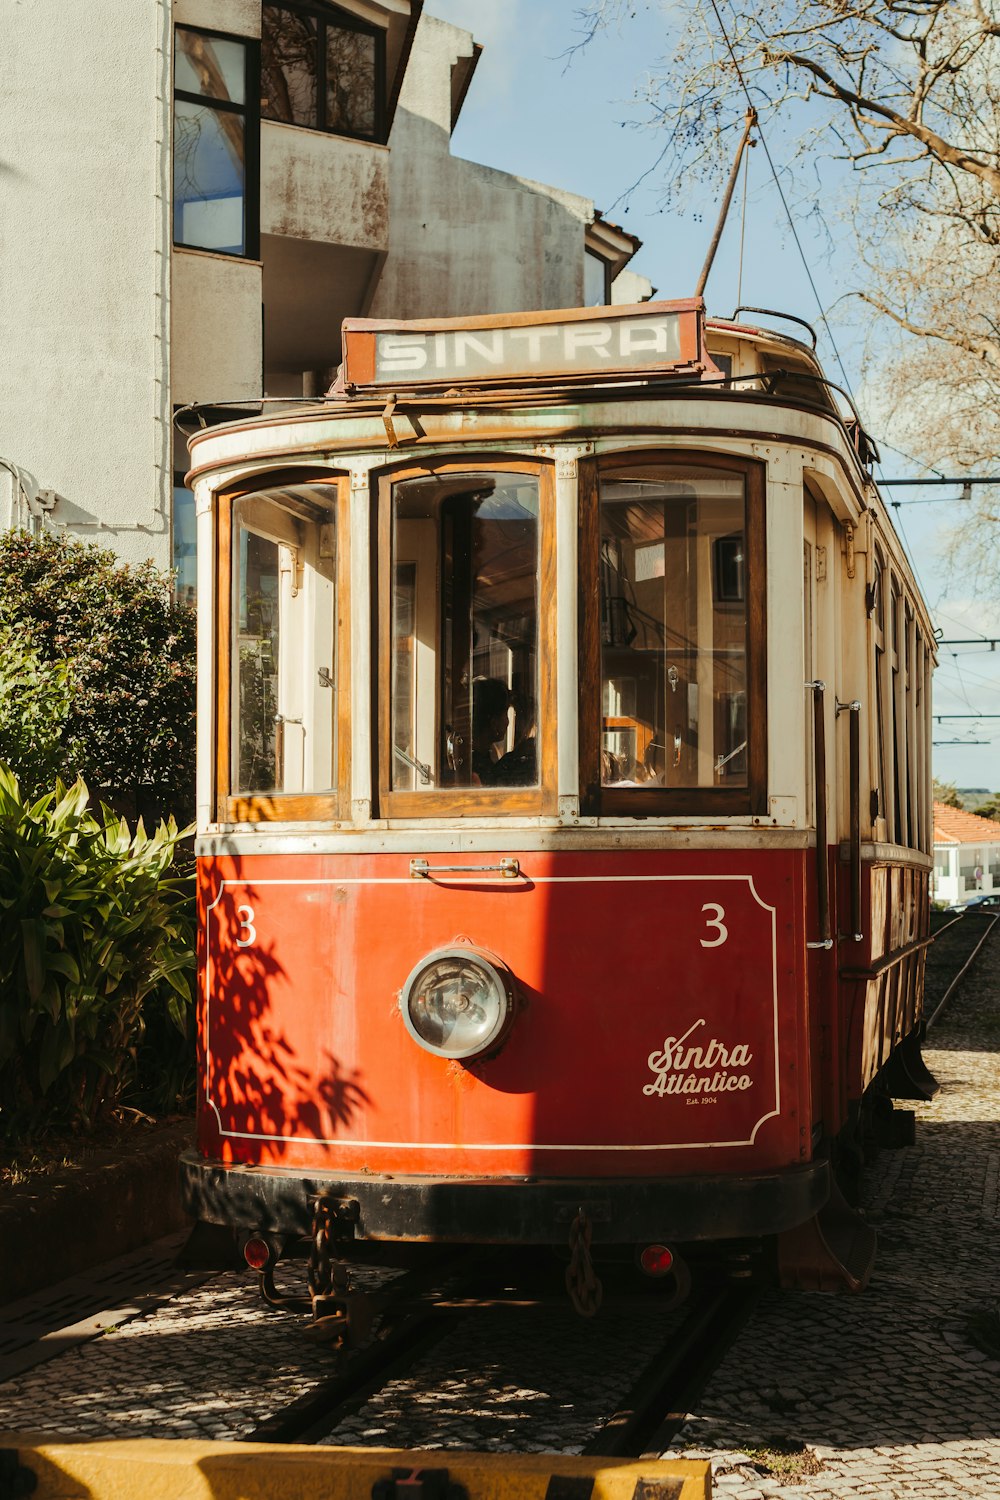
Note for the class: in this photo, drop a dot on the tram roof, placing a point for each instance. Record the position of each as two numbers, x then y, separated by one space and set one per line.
565 355
606 355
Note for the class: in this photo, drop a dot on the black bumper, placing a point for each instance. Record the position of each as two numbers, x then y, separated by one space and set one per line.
521 1211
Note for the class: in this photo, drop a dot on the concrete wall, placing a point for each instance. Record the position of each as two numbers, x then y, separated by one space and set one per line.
629 287
216 333
84 247
239 17
464 238
323 187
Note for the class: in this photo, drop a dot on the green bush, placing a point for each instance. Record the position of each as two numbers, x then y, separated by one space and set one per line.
130 722
34 706
96 946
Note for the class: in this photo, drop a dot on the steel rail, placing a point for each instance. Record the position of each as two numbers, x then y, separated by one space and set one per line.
673 1381
991 918
315 1414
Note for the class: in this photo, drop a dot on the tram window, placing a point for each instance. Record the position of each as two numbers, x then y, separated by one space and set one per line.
465 632
673 627
283 688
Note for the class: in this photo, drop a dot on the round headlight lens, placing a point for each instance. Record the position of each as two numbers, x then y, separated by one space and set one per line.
457 1002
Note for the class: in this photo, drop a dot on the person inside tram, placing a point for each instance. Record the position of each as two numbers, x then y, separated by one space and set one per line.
519 767
490 711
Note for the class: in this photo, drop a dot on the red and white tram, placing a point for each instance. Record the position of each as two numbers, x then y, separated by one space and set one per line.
564 808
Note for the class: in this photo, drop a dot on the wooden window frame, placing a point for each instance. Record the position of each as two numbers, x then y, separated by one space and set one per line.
597 800
467 802
281 807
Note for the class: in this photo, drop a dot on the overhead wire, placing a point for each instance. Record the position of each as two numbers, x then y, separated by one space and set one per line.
781 194
805 262
823 318
911 459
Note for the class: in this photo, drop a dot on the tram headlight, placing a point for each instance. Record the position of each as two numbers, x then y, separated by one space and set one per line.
458 1002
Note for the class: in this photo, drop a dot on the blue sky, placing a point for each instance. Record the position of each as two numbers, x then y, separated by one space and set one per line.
572 121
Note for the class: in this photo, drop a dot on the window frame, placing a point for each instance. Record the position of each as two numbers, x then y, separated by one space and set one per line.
346 21
597 800
249 111
484 802
280 807
180 475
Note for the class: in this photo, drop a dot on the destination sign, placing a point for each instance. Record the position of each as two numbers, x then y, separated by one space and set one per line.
577 342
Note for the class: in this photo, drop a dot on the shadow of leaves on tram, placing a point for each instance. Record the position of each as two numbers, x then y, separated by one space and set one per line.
263 1082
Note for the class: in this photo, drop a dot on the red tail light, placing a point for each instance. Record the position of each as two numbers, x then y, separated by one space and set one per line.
256 1253
656 1260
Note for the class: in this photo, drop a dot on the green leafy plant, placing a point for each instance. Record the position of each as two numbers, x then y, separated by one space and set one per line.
35 698
96 942
129 725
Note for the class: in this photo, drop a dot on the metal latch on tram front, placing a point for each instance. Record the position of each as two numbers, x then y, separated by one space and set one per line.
418 1484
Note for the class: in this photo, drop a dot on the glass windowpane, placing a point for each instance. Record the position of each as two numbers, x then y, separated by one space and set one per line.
288 66
209 173
673 629
594 280
350 81
185 552
209 65
283 654
465 632
256 629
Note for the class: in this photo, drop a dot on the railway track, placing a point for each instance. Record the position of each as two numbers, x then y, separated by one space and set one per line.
641 1423
957 944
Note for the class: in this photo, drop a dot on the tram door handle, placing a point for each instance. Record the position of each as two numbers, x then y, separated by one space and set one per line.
421 869
280 720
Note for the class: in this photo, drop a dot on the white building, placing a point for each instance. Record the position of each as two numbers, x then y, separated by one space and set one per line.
966 855
197 192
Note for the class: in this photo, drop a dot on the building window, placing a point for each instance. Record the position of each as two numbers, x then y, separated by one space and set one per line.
216 131
596 280
185 554
322 68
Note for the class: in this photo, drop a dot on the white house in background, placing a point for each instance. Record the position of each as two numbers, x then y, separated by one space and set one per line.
966 855
197 192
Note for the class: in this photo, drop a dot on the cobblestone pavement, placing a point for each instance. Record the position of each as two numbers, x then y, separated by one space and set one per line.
896 1393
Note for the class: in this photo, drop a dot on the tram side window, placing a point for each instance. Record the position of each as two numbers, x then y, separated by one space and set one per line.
673 588
465 632
283 722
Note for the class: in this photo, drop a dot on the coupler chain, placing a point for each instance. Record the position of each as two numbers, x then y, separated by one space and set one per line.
341 1314
582 1282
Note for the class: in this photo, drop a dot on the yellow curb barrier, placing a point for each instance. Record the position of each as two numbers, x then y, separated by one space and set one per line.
189 1469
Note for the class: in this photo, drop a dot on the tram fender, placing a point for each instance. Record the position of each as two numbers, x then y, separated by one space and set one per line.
189 1469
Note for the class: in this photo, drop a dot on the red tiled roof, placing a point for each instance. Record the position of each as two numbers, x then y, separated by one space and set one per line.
952 825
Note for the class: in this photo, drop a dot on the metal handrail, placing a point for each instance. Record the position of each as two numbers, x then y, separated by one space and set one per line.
822 868
854 753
